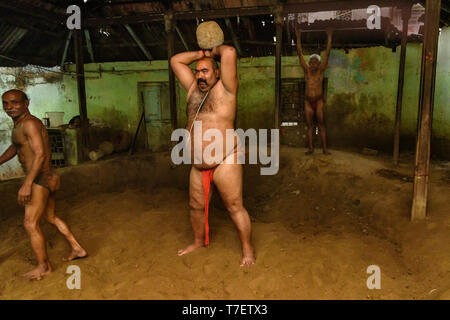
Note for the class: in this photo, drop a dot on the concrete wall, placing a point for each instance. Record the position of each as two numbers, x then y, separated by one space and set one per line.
362 90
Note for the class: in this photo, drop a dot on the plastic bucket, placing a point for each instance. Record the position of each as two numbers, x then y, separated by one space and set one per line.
56 118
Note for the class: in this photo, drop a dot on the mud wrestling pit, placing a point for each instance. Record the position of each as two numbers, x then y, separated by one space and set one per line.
212 152
317 226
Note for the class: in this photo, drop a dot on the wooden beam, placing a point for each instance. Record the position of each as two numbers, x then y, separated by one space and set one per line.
66 48
89 44
138 42
233 37
43 15
427 84
406 14
279 42
21 23
81 86
181 15
180 35
316 6
170 30
246 11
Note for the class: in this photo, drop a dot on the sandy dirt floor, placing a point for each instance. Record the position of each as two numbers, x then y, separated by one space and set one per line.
317 226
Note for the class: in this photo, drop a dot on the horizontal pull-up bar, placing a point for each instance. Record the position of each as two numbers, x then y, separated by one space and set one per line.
334 30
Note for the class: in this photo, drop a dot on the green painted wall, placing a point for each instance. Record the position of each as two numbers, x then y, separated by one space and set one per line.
361 99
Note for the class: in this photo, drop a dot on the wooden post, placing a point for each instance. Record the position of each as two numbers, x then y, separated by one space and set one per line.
78 47
279 37
170 30
66 48
406 14
427 82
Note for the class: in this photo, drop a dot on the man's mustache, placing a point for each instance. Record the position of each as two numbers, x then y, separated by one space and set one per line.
201 80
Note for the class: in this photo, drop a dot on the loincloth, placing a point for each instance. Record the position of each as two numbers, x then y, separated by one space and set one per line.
48 179
207 177
314 102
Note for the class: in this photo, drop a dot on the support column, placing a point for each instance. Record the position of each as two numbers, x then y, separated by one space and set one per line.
427 84
406 14
279 37
81 86
170 30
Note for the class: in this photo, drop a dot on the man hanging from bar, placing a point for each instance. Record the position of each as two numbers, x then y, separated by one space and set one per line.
212 101
30 142
314 103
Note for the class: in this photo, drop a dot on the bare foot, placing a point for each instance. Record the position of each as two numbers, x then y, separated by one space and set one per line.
248 258
38 273
310 151
190 248
326 152
76 254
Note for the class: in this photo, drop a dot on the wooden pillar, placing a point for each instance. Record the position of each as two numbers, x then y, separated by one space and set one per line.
170 30
81 86
406 14
427 84
279 37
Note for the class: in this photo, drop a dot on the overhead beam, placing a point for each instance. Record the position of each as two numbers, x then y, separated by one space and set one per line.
183 41
406 14
426 100
233 36
245 11
185 15
89 44
342 5
138 42
32 11
66 48
17 22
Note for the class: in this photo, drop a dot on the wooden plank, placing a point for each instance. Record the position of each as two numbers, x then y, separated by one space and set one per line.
406 14
89 44
427 85
246 11
66 48
234 38
180 35
138 42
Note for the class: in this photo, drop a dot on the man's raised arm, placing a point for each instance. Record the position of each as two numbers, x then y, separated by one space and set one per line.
299 50
180 66
228 66
324 64
8 154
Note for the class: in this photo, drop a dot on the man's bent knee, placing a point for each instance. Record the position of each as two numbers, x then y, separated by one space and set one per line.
30 225
234 208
